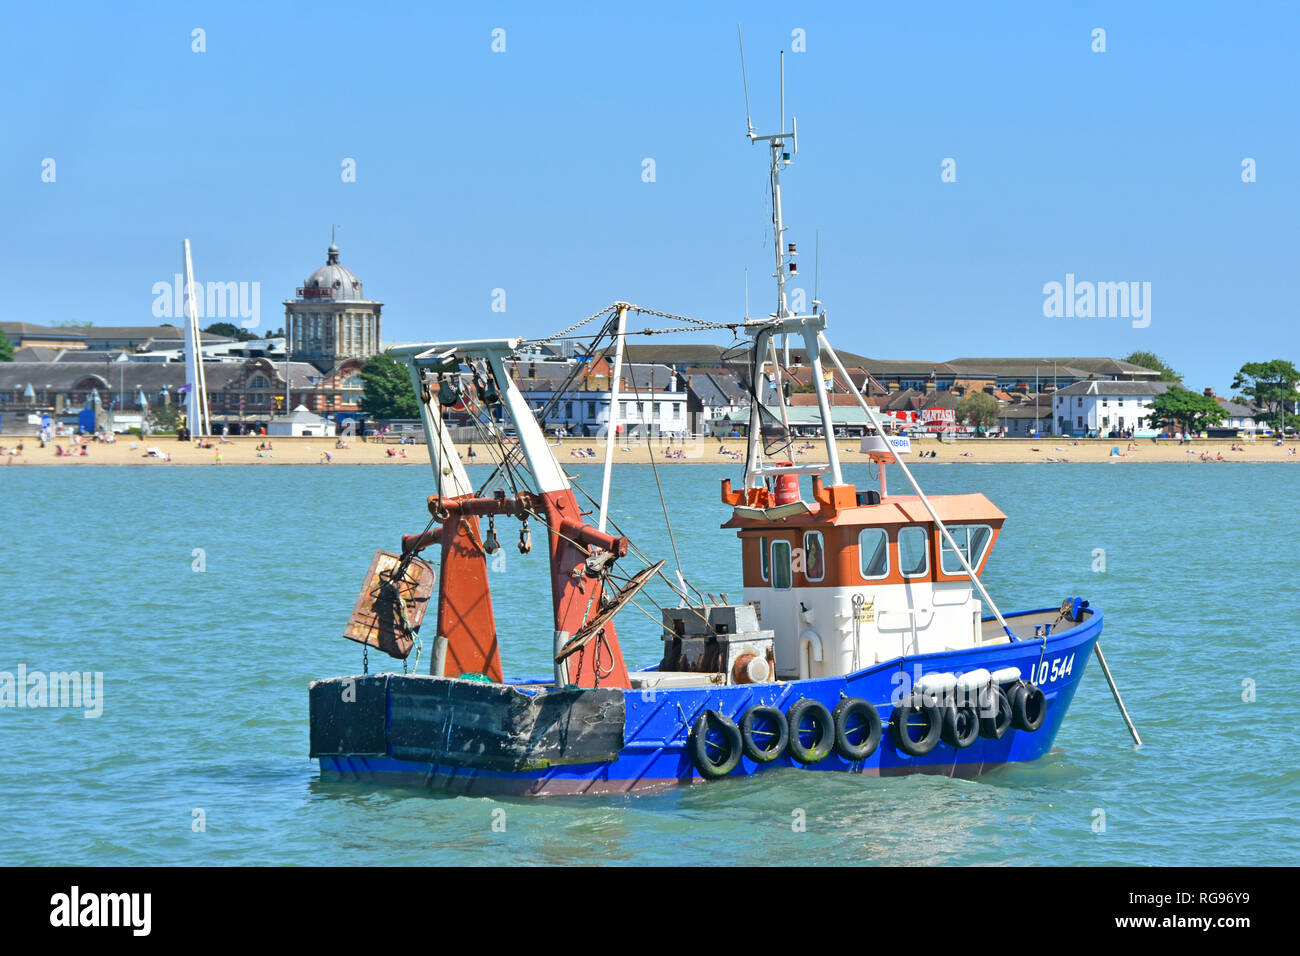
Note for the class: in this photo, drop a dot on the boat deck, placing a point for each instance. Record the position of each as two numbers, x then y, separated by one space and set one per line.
1022 625
991 634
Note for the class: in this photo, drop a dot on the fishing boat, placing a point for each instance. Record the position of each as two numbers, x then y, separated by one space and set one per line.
865 641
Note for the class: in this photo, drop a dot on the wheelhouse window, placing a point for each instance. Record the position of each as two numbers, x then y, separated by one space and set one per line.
814 556
763 558
913 552
972 540
780 567
873 553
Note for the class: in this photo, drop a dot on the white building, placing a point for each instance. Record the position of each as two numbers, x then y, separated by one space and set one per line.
656 404
302 423
660 411
718 402
1096 408
1239 418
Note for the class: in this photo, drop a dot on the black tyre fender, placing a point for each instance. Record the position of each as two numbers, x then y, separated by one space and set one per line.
961 726
759 750
994 713
865 711
711 760
1028 706
901 719
823 724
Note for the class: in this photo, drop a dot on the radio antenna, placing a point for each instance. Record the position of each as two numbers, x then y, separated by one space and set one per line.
744 81
817 266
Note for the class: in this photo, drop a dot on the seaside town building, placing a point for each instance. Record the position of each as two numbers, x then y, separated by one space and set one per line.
331 323
65 340
1098 408
118 372
651 399
60 373
717 403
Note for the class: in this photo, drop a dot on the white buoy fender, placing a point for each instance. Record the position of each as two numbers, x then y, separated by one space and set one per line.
974 680
1006 674
936 683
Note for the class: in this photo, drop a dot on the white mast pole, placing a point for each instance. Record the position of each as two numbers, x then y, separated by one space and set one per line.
762 342
779 221
196 400
611 423
288 338
778 381
810 343
203 372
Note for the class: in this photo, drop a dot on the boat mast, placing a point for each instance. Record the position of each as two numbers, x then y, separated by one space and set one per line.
785 322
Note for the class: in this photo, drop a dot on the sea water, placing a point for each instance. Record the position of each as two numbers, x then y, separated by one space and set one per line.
206 599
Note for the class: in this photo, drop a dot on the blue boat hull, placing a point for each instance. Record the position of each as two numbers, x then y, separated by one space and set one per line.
658 722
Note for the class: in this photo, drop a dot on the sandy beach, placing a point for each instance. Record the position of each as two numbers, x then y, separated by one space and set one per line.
310 451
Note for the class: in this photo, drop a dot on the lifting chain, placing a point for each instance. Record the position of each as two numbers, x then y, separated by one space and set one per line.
702 324
574 327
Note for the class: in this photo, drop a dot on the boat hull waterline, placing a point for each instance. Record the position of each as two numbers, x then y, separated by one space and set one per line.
656 754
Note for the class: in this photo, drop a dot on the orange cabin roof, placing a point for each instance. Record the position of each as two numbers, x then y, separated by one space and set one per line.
840 526
894 510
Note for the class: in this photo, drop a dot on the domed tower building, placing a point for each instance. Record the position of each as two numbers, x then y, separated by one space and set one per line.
331 319
332 326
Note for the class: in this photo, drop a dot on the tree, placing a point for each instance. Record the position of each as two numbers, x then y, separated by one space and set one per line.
1271 386
979 409
6 349
1181 407
1156 364
388 391
165 416
230 331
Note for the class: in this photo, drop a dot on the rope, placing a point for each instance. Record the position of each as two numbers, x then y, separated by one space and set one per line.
513 454
655 469
390 592
492 440
676 589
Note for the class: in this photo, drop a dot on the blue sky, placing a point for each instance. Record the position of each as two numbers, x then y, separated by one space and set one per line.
522 170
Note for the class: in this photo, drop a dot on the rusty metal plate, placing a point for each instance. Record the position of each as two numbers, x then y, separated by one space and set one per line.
377 620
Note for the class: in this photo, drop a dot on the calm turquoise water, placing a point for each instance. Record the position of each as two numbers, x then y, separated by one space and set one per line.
206 674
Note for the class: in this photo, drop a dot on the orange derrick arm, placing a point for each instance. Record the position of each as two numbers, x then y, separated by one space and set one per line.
575 594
